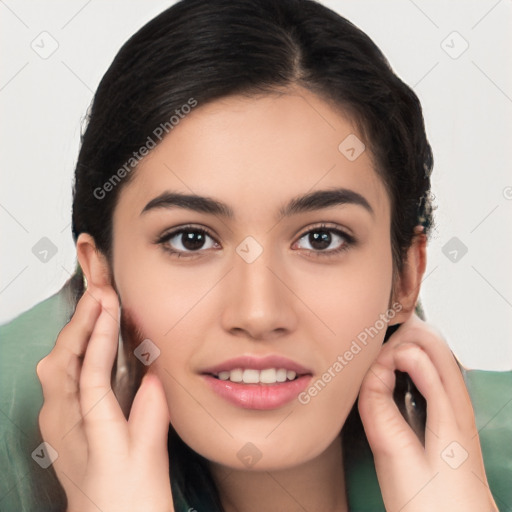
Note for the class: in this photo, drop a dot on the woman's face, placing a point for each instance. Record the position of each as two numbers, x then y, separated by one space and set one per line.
273 278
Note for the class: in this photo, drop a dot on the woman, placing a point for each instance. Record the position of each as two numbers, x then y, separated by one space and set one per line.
251 208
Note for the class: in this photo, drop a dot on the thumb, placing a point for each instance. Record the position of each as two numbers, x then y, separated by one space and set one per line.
149 416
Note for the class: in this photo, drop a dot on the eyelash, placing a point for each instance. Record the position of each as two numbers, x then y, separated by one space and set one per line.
349 240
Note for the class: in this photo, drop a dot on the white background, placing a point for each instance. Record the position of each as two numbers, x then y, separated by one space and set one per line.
467 105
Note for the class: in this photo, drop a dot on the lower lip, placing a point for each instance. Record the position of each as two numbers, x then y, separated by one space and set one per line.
258 396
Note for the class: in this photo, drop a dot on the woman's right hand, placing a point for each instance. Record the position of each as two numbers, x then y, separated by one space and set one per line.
104 461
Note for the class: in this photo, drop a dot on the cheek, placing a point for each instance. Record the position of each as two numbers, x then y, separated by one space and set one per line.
345 300
160 296
352 311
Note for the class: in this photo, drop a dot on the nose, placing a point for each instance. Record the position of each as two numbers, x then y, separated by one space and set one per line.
258 301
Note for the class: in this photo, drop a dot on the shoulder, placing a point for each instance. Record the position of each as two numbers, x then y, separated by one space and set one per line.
491 396
23 342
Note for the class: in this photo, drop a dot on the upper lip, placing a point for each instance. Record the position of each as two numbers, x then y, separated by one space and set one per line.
258 363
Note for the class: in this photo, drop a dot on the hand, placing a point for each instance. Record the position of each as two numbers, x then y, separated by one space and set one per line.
438 476
104 462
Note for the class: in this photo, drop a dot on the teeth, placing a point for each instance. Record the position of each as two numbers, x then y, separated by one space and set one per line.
267 376
290 374
236 375
250 376
281 375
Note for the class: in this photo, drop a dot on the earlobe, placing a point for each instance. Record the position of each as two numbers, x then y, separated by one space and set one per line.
93 263
409 282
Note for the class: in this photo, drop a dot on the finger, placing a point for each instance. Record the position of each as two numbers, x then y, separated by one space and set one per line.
62 404
149 419
441 420
149 428
441 356
399 457
442 426
76 333
387 431
100 408
59 371
377 394
102 347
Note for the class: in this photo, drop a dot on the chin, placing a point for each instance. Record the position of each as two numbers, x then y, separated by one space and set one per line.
254 454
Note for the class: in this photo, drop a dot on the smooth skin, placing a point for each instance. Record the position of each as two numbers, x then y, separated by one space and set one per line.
252 153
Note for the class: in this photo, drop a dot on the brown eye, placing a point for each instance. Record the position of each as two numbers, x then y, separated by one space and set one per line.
192 240
187 240
320 239
325 241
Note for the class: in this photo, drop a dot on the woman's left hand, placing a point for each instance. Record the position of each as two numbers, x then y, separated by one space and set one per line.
448 473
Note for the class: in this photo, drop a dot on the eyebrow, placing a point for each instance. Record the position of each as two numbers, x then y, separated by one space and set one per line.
312 201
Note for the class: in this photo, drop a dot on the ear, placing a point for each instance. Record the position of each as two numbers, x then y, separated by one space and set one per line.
93 263
407 286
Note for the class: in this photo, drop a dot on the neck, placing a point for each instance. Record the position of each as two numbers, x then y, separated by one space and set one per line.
318 484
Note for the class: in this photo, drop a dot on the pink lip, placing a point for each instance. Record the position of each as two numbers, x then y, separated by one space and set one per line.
258 396
258 363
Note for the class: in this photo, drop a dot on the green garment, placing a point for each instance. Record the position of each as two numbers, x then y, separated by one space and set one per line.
26 487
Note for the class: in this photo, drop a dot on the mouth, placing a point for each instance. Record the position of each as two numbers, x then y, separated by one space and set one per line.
262 383
249 388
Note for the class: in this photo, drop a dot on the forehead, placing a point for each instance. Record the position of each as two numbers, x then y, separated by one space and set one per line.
254 152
